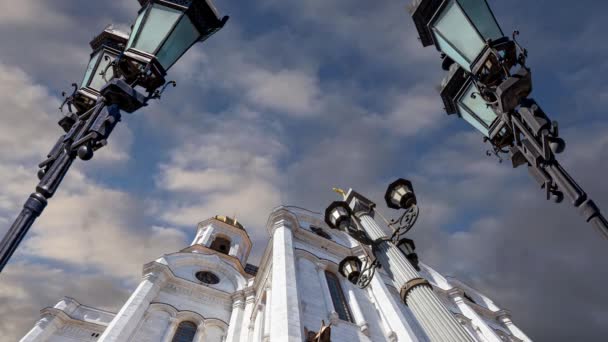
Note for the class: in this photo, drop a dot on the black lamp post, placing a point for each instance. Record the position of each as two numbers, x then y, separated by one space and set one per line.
488 85
163 32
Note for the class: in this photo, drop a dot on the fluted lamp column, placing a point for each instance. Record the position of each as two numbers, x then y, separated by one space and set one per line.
435 319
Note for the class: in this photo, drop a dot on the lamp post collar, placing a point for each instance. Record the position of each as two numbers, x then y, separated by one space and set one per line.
359 204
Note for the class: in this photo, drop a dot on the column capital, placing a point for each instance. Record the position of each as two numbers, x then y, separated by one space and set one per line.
155 277
45 320
364 329
359 204
455 292
321 266
281 218
503 314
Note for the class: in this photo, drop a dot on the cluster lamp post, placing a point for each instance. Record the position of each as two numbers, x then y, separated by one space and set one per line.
163 31
488 85
395 255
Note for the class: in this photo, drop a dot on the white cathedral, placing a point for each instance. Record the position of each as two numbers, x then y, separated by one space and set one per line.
207 292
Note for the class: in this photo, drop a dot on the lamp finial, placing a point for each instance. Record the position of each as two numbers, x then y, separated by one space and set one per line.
340 191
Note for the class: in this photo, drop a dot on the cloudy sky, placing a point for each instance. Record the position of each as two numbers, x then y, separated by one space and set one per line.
290 99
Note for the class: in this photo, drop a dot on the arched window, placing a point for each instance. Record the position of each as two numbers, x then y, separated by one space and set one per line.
337 297
185 332
221 244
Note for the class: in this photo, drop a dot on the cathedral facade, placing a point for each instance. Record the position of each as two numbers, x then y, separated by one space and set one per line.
208 292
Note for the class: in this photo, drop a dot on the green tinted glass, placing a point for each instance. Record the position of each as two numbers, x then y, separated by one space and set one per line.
155 28
184 35
475 110
90 68
453 25
98 81
479 12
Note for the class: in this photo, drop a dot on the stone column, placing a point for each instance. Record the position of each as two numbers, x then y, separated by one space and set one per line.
246 324
198 337
258 330
206 238
393 315
386 327
326 294
236 319
457 295
43 330
505 318
355 308
435 319
171 329
267 315
127 319
286 323
234 250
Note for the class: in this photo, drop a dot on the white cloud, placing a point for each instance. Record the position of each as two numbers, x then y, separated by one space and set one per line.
233 168
412 113
99 228
31 12
290 91
26 288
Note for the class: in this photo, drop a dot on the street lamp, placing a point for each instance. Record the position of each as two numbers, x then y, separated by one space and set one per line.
400 195
107 46
462 29
355 216
163 32
488 85
351 268
408 247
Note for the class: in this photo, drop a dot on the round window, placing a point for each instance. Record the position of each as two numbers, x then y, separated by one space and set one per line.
207 277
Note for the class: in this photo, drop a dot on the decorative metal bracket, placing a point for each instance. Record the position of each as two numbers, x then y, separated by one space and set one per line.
68 99
159 92
404 223
367 273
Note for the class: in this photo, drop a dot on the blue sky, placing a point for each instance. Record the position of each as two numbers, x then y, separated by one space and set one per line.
290 99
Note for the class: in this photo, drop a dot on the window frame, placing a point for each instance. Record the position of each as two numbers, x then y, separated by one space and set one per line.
338 297
180 330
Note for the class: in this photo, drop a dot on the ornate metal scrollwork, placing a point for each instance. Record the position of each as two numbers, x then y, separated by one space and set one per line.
404 223
68 99
367 273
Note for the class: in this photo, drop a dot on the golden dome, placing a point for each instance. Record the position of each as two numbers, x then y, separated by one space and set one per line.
231 221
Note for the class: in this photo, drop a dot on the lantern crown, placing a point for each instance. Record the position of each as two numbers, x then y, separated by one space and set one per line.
110 38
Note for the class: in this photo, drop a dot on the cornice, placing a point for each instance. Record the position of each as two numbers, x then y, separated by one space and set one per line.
65 318
281 217
205 251
480 309
241 232
197 293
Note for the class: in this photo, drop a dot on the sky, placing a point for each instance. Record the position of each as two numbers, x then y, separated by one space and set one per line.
291 99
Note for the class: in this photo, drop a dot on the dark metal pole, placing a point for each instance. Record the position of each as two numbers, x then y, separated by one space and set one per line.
534 133
88 133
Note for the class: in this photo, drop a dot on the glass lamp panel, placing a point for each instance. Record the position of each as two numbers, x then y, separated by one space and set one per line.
453 26
473 122
97 81
156 27
184 35
140 17
478 105
480 13
90 69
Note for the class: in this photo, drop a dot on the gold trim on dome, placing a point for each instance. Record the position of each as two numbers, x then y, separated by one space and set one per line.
228 220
